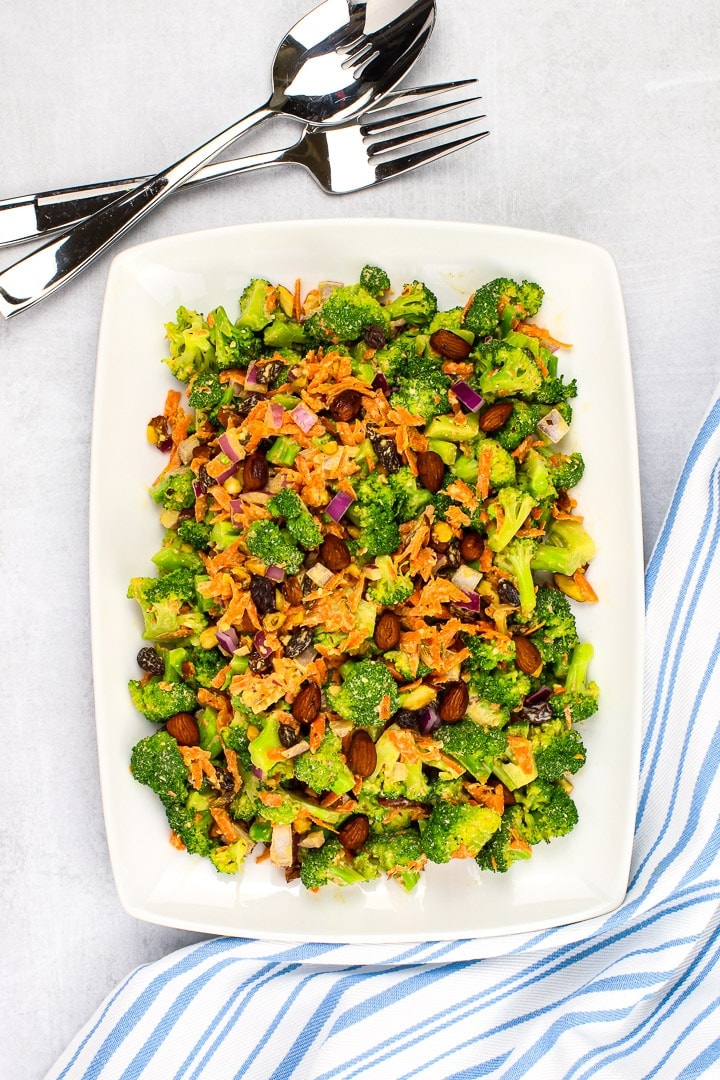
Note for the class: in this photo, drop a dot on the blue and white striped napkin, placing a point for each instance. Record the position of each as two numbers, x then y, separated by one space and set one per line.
635 994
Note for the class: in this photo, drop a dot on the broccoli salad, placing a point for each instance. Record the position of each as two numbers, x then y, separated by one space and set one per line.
360 650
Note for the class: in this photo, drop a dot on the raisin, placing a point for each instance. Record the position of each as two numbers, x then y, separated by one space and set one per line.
300 640
262 591
374 337
260 665
150 660
508 594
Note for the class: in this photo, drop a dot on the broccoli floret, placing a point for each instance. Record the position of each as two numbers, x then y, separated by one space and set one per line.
364 688
522 422
159 700
566 470
506 846
374 280
398 773
516 560
580 698
557 749
374 514
452 320
283 333
503 472
409 498
235 346
453 790
299 521
399 853
487 653
566 548
546 810
156 762
266 741
194 533
256 305
191 350
331 865
535 472
427 398
325 770
174 490
393 358
223 534
176 555
457 830
416 304
475 747
207 392
167 605
267 542
502 301
506 688
207 665
454 428
346 314
391 587
246 805
556 635
553 390
506 371
228 858
508 512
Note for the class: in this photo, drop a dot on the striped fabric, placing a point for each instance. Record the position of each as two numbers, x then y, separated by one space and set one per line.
634 994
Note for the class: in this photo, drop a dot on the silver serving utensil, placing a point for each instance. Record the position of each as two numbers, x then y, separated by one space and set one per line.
335 62
344 158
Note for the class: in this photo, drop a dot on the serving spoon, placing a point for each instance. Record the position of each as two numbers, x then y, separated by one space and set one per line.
332 65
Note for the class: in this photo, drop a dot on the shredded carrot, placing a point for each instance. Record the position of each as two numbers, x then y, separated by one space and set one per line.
317 733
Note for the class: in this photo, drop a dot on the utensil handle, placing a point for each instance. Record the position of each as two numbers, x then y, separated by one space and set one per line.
27 217
41 273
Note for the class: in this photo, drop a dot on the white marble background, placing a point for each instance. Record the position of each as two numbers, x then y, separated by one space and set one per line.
605 120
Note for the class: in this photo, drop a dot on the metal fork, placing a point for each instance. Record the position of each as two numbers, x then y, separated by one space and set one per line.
342 159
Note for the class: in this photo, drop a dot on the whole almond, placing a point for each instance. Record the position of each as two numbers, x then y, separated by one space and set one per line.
453 702
306 706
450 345
493 418
527 655
354 832
431 470
360 753
255 472
334 553
184 729
387 631
471 546
346 406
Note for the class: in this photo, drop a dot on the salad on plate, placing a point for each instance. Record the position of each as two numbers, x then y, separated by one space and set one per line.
359 646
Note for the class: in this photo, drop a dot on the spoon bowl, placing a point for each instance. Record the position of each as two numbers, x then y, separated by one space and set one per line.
336 61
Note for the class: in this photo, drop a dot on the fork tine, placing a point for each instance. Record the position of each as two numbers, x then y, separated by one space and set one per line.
417 93
410 137
386 170
391 123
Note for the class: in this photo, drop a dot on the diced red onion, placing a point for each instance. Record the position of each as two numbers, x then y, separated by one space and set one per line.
259 643
467 396
304 418
538 696
227 473
381 383
275 573
319 574
466 578
554 426
339 505
472 603
306 657
275 416
281 846
228 446
227 639
429 720
258 773
187 448
197 489
251 380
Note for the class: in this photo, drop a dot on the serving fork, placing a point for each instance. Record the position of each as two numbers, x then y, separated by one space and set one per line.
350 157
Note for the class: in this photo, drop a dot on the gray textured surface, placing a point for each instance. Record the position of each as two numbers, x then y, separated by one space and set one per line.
605 120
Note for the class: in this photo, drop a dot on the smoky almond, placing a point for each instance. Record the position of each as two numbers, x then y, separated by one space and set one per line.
184 729
346 406
453 702
306 706
493 418
431 470
527 655
387 631
354 832
360 753
334 553
450 345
